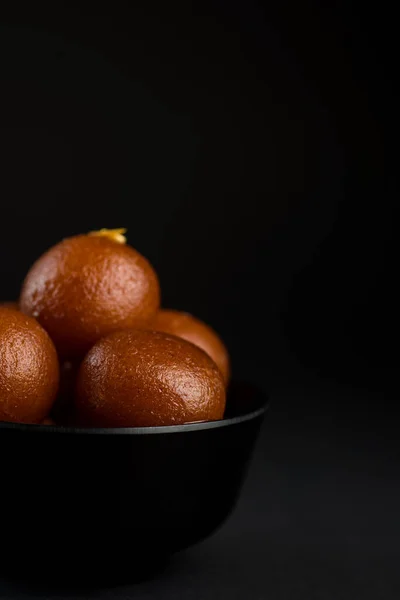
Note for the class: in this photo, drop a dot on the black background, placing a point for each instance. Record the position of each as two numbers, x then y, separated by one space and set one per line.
246 149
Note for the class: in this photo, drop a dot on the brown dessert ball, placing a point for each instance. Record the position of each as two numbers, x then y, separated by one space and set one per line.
193 330
137 378
29 371
88 286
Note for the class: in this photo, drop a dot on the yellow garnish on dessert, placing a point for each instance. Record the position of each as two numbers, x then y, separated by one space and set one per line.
115 235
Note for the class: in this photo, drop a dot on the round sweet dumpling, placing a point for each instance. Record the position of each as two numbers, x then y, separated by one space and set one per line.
29 369
139 378
88 286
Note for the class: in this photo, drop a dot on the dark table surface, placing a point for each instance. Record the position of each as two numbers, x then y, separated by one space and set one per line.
318 517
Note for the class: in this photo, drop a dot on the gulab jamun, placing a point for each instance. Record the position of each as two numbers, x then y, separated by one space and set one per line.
140 378
29 369
193 330
88 286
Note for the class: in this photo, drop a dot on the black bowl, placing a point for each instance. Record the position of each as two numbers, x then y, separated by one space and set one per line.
98 501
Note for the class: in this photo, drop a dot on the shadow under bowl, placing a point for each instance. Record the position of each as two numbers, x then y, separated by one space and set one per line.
102 502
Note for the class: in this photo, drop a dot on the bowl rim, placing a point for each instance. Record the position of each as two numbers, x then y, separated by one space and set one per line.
158 429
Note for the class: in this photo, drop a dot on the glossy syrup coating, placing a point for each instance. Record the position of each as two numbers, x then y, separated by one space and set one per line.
29 369
193 330
137 378
88 286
